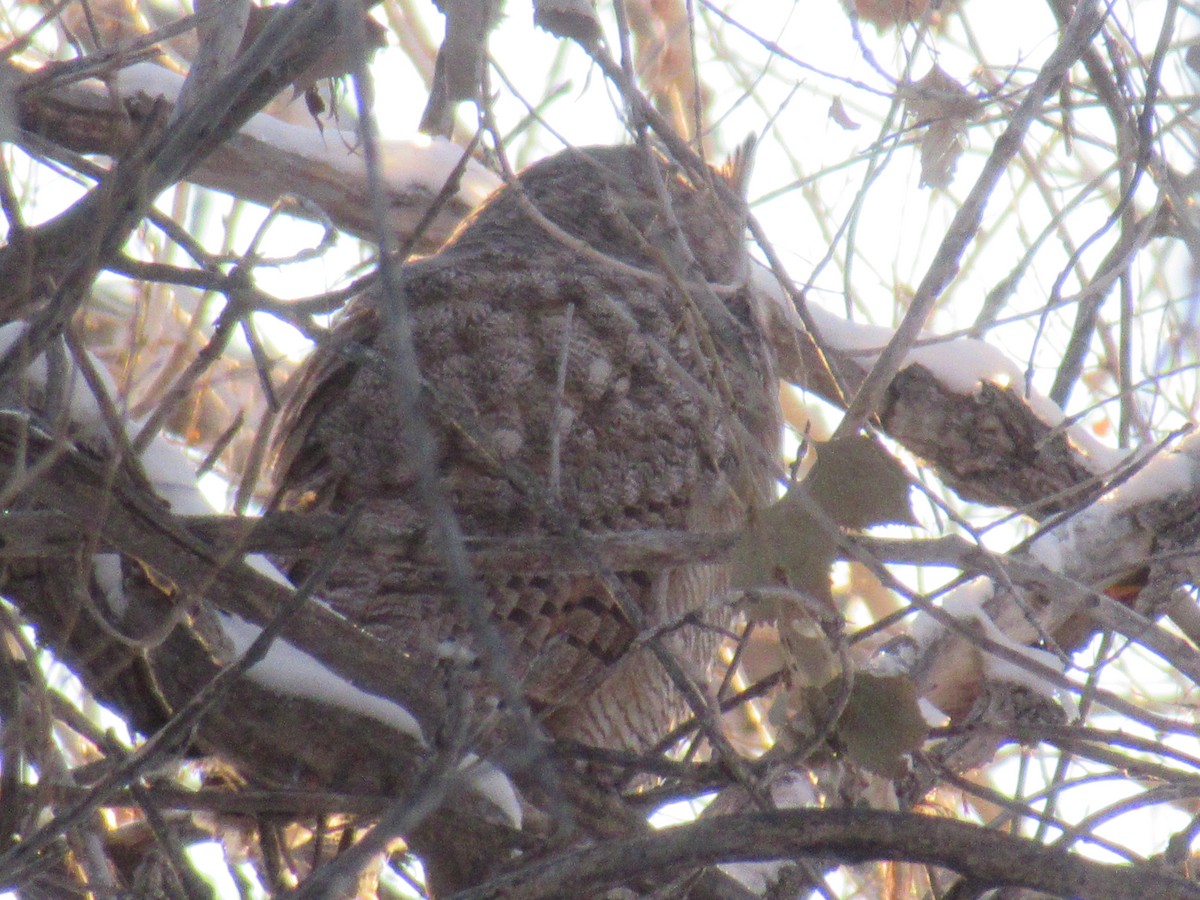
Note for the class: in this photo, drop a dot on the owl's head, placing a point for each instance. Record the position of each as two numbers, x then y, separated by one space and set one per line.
629 204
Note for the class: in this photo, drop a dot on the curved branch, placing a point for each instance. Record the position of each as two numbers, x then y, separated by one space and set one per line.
987 857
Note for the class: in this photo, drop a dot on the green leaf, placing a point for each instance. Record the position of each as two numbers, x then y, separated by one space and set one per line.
783 544
854 482
881 723
859 483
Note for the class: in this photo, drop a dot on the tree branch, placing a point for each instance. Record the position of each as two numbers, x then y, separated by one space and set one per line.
992 858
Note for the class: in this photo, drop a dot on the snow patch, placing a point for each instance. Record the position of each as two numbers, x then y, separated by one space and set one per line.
962 365
493 785
106 569
150 79
84 408
769 293
933 716
854 338
290 671
794 790
422 163
997 669
285 668
1175 471
429 162
1049 549
264 566
966 604
173 476
452 650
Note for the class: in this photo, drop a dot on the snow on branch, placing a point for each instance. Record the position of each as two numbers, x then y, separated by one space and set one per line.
270 158
961 366
1118 563
958 403
961 405
1142 531
284 669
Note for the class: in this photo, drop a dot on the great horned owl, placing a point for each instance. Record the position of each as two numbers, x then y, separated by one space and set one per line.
592 357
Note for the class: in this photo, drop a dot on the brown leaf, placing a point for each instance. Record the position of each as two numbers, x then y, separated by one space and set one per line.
837 112
944 107
941 147
802 627
1191 56
938 96
889 13
785 545
574 19
859 483
808 653
458 71
880 723
338 57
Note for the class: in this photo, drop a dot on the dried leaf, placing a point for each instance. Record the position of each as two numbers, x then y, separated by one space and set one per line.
808 707
809 654
941 147
458 71
663 60
315 104
889 13
785 545
337 59
837 112
938 96
881 723
944 107
573 19
1191 56
803 628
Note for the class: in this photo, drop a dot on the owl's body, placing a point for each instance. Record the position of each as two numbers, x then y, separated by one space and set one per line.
569 387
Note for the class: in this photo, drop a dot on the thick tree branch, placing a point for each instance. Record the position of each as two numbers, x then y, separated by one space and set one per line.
60 259
992 858
79 117
129 519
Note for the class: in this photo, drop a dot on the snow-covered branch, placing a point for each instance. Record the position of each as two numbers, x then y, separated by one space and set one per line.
269 158
193 608
959 404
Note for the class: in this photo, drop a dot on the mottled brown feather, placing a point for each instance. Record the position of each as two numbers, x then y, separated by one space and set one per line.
668 419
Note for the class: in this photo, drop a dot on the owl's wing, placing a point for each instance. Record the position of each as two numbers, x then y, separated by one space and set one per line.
305 472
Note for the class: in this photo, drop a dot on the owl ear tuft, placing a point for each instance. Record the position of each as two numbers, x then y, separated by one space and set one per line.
736 169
